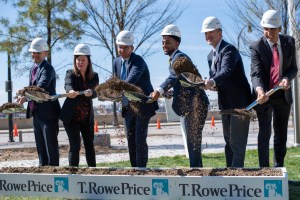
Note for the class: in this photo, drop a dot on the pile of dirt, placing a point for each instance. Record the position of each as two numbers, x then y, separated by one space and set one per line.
114 87
11 108
239 112
31 88
31 153
143 172
183 64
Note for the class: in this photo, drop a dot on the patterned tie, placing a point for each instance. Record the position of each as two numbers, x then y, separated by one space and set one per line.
33 73
274 71
212 67
123 71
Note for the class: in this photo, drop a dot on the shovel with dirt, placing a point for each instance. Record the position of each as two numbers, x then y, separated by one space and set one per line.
10 108
247 111
40 95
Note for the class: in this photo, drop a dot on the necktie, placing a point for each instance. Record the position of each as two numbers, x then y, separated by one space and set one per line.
274 71
212 67
33 73
123 71
170 62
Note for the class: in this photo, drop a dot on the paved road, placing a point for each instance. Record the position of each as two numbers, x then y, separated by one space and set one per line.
166 141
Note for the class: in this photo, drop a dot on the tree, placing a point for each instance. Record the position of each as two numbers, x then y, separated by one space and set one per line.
249 13
144 18
42 18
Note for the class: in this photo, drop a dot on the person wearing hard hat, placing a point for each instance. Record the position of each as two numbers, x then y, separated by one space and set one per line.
227 77
191 103
273 63
77 112
132 69
45 114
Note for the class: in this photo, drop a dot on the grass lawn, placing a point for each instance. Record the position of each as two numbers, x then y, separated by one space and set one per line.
292 163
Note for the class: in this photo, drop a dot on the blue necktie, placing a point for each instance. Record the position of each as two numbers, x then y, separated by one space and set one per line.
123 71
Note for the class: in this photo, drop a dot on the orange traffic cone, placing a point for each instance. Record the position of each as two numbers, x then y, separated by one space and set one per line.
158 123
16 134
212 121
96 127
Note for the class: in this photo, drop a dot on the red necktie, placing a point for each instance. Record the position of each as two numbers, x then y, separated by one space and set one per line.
274 71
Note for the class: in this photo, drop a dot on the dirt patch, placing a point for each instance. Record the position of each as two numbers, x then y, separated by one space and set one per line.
31 88
11 108
31 153
239 112
142 172
116 84
183 64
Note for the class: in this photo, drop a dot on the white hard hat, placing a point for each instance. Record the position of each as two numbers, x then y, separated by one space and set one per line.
125 38
171 29
38 45
211 23
82 49
271 19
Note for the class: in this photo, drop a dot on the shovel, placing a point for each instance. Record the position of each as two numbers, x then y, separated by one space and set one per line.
139 97
190 79
54 97
269 93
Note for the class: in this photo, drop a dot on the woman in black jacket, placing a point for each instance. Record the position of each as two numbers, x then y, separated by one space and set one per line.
77 112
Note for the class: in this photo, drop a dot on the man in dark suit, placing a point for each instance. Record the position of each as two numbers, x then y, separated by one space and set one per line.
273 62
45 114
133 69
227 77
191 103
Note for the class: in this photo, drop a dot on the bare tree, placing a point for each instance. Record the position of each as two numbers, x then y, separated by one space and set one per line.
248 13
145 18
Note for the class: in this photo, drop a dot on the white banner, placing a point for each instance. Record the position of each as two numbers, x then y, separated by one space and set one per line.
144 187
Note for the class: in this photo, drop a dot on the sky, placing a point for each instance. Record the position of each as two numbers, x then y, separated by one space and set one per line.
193 44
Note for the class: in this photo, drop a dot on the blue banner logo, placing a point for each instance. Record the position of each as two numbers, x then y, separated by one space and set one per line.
160 187
61 184
272 188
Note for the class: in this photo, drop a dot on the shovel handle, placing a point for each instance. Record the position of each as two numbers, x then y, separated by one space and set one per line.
269 93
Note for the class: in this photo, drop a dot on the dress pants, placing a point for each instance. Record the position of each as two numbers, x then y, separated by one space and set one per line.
136 132
280 111
235 132
45 133
193 124
73 130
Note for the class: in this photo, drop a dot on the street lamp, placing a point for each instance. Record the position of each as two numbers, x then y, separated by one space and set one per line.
8 88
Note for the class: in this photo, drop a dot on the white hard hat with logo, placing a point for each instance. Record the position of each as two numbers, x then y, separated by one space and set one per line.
171 29
125 38
211 23
271 19
38 45
82 49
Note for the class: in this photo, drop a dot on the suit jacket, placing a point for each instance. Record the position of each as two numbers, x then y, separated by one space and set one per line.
182 96
261 59
229 76
45 78
137 74
74 82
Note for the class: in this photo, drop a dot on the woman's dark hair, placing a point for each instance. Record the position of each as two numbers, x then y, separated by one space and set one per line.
89 74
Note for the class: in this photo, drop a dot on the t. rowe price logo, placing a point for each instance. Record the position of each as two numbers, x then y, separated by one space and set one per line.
273 188
160 187
61 184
